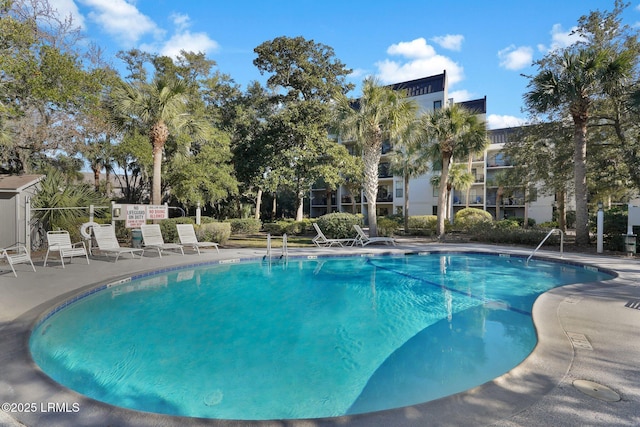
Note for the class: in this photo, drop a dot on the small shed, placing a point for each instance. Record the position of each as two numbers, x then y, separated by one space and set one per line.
14 191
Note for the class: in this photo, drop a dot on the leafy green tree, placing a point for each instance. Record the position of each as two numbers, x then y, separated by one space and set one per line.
379 114
447 133
161 108
569 82
304 77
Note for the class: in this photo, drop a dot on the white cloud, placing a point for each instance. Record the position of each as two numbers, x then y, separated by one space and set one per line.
190 42
182 22
122 20
417 48
450 41
495 121
515 58
560 39
461 95
423 61
68 8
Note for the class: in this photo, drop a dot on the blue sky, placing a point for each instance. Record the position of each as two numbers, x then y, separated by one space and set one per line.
485 46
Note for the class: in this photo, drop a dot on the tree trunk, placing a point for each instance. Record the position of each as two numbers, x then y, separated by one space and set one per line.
300 210
562 211
442 196
158 134
96 177
406 203
371 158
258 203
580 164
499 192
274 206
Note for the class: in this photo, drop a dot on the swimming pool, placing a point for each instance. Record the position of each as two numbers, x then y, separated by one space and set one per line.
302 339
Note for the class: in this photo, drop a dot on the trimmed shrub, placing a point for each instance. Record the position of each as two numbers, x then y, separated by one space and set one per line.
387 226
339 225
288 226
492 232
468 217
218 232
244 226
423 225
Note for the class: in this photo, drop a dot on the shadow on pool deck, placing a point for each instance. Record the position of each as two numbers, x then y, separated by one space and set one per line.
539 391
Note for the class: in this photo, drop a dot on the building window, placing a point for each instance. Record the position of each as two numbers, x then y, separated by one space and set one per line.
434 210
437 105
399 189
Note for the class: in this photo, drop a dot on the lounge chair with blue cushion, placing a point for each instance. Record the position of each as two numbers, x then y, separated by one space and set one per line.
363 240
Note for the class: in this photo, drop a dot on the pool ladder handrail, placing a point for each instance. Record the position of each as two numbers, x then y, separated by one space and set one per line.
285 248
553 230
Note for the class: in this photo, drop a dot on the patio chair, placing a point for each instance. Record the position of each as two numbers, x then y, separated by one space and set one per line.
187 236
152 238
60 241
321 240
16 254
107 241
363 240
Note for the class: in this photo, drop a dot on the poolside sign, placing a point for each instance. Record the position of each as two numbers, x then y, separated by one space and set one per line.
136 215
157 212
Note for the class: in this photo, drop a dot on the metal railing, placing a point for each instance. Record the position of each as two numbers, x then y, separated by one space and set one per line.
545 239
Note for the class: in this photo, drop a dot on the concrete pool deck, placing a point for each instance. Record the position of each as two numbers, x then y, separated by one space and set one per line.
586 331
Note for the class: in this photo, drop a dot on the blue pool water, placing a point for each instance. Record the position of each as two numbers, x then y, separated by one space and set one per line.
300 339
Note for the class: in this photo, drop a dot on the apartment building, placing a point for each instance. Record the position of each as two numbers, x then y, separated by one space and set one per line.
431 93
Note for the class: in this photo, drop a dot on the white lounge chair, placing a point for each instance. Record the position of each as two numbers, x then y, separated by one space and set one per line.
60 241
363 240
16 254
108 242
187 236
152 238
321 240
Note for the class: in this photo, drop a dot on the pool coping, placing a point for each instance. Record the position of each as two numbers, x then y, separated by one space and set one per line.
505 397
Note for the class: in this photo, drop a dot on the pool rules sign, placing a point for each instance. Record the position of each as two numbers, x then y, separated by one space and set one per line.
137 215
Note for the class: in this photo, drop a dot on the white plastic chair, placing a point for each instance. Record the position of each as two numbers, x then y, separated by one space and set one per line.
152 238
17 254
364 240
321 240
108 242
60 241
187 236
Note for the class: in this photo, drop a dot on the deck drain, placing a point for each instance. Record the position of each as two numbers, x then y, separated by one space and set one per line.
596 390
579 341
634 303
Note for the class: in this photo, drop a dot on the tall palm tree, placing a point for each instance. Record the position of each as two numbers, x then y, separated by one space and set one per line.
572 80
160 107
379 114
409 163
459 179
446 133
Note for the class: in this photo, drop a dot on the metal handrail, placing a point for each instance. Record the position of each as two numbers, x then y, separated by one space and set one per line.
545 239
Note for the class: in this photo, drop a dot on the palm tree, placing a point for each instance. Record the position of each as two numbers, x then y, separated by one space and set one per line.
379 114
446 133
160 107
410 163
459 178
572 80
